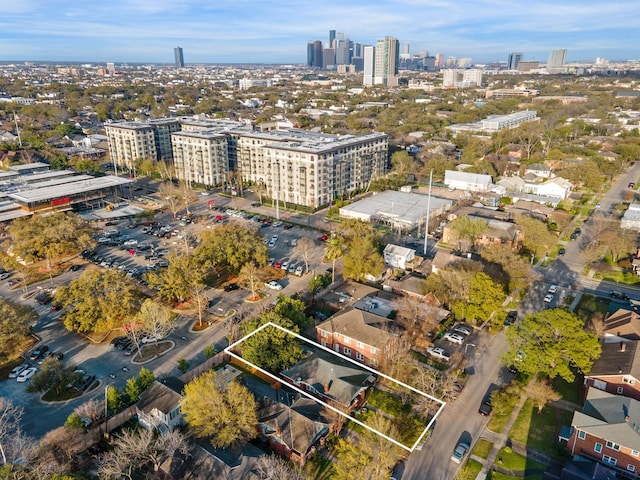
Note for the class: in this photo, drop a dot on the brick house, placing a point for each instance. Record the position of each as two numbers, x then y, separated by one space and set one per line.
622 324
496 231
292 431
617 371
330 378
356 334
607 431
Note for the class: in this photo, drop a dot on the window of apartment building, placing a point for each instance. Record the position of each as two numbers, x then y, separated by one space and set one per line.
374 350
629 380
609 460
359 344
582 435
347 341
635 453
613 446
620 390
324 344
631 468
597 447
359 356
324 333
346 351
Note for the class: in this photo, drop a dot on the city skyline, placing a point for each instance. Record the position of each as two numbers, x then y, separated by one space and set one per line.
251 31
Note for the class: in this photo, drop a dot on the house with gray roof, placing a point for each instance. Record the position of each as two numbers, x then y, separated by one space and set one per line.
617 371
159 406
330 378
607 430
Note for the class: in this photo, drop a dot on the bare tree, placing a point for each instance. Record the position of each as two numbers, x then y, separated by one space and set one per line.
541 392
336 420
304 249
91 409
156 319
10 416
271 467
171 194
597 324
250 275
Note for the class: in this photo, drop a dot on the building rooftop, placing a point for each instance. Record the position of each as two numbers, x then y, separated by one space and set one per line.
73 188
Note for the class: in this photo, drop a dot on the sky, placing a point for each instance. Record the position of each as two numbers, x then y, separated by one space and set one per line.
263 31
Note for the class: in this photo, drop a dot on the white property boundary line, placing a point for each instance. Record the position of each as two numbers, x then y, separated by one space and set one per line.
360 365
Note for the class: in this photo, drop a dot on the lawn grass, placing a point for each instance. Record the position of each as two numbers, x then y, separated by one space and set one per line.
483 448
539 430
590 304
502 476
572 392
470 471
497 422
507 458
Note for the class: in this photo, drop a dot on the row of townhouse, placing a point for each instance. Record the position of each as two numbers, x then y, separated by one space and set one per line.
293 166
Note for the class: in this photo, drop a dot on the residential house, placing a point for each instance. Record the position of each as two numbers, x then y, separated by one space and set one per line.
396 256
631 218
623 324
539 170
471 182
330 379
556 188
617 371
496 232
444 259
607 430
292 431
357 334
159 405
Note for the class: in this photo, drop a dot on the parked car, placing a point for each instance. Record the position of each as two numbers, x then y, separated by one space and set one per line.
439 353
38 352
284 266
75 268
459 452
231 286
4 276
276 224
117 341
548 298
552 289
273 285
299 270
26 374
292 268
485 406
18 370
561 252
454 338
271 262
631 185
463 329
277 264
512 316
43 357
287 226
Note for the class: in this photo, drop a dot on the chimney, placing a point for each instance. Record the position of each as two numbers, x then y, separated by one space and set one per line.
623 346
626 419
326 388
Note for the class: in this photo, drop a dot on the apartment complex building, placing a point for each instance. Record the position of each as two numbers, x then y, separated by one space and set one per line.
293 166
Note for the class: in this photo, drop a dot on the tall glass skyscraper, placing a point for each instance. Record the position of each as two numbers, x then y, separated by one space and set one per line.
178 57
557 58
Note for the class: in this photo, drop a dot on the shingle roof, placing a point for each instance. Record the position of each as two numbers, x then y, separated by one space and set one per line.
614 360
362 326
160 397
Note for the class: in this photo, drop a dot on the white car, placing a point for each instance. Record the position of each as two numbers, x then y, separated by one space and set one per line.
271 262
552 289
299 270
284 266
463 329
130 243
454 338
273 285
294 242
274 238
271 244
204 194
18 370
276 224
26 374
439 353
548 298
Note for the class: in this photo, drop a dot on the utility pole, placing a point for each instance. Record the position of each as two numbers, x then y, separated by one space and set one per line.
426 226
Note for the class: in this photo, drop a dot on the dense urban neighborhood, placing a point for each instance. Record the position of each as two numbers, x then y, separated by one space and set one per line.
279 272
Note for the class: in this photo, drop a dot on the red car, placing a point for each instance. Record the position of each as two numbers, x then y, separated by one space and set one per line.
278 264
324 238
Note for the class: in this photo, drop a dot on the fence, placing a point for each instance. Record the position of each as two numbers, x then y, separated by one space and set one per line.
209 364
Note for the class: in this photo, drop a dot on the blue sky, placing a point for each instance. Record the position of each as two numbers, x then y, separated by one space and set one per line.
263 31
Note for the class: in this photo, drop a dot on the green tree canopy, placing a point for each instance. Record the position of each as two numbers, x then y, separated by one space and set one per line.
552 343
271 348
466 230
225 413
97 301
485 297
176 282
15 326
536 236
231 246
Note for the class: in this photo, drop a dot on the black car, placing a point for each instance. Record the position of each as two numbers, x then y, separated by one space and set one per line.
231 286
619 295
561 252
255 204
37 353
287 226
117 341
511 318
485 406
75 268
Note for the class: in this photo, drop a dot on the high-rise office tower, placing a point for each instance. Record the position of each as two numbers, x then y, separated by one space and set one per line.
343 51
387 59
439 60
557 58
317 54
404 53
332 37
328 57
514 60
111 68
309 54
369 54
178 57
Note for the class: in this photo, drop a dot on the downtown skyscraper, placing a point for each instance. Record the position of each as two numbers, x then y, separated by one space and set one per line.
387 59
178 57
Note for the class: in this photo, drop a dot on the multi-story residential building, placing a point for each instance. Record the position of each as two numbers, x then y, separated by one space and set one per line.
557 58
201 156
514 59
606 431
387 60
368 64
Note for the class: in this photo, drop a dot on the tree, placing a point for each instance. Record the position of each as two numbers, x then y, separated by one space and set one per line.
251 276
91 410
97 301
621 242
552 343
15 327
402 163
333 251
231 246
48 237
271 348
10 417
271 467
304 250
114 399
536 236
485 297
292 309
362 258
505 264
177 282
541 392
172 195
53 375
225 413
466 229
156 319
